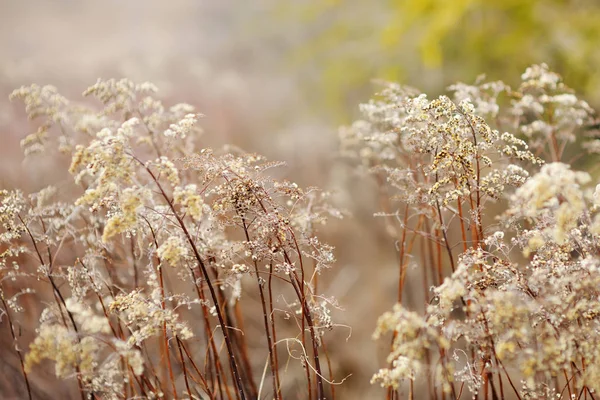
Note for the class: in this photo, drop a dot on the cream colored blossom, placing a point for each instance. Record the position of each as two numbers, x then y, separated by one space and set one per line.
172 250
191 201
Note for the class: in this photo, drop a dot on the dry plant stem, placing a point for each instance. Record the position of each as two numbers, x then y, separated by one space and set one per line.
60 301
463 231
512 385
309 321
213 294
274 332
120 336
327 358
438 252
133 263
383 198
212 349
298 286
568 383
489 376
319 376
303 319
401 256
236 340
213 353
185 375
243 349
61 304
403 263
260 284
555 152
157 380
478 232
499 379
14 337
165 342
154 376
445 236
404 249
207 389
307 371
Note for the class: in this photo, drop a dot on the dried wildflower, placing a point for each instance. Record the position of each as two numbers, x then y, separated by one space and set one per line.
183 127
145 317
413 337
145 195
191 201
554 195
56 343
126 218
510 318
550 115
172 250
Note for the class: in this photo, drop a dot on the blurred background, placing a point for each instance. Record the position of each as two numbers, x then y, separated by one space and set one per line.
279 78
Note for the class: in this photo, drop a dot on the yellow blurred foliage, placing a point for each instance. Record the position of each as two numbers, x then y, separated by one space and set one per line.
432 43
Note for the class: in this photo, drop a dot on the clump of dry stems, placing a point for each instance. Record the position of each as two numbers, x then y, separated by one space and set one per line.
146 262
149 267
503 233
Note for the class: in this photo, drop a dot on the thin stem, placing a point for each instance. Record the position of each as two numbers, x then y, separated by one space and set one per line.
260 284
213 294
14 337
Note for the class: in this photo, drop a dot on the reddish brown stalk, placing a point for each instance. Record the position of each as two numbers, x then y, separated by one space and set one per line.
119 336
14 337
426 267
237 339
477 232
72 319
274 332
568 383
185 375
389 394
332 387
499 379
243 349
438 252
165 342
304 317
512 385
219 372
401 255
556 156
260 284
300 291
318 373
443 230
60 301
463 231
476 228
384 198
403 265
144 349
133 263
224 329
462 386
204 382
